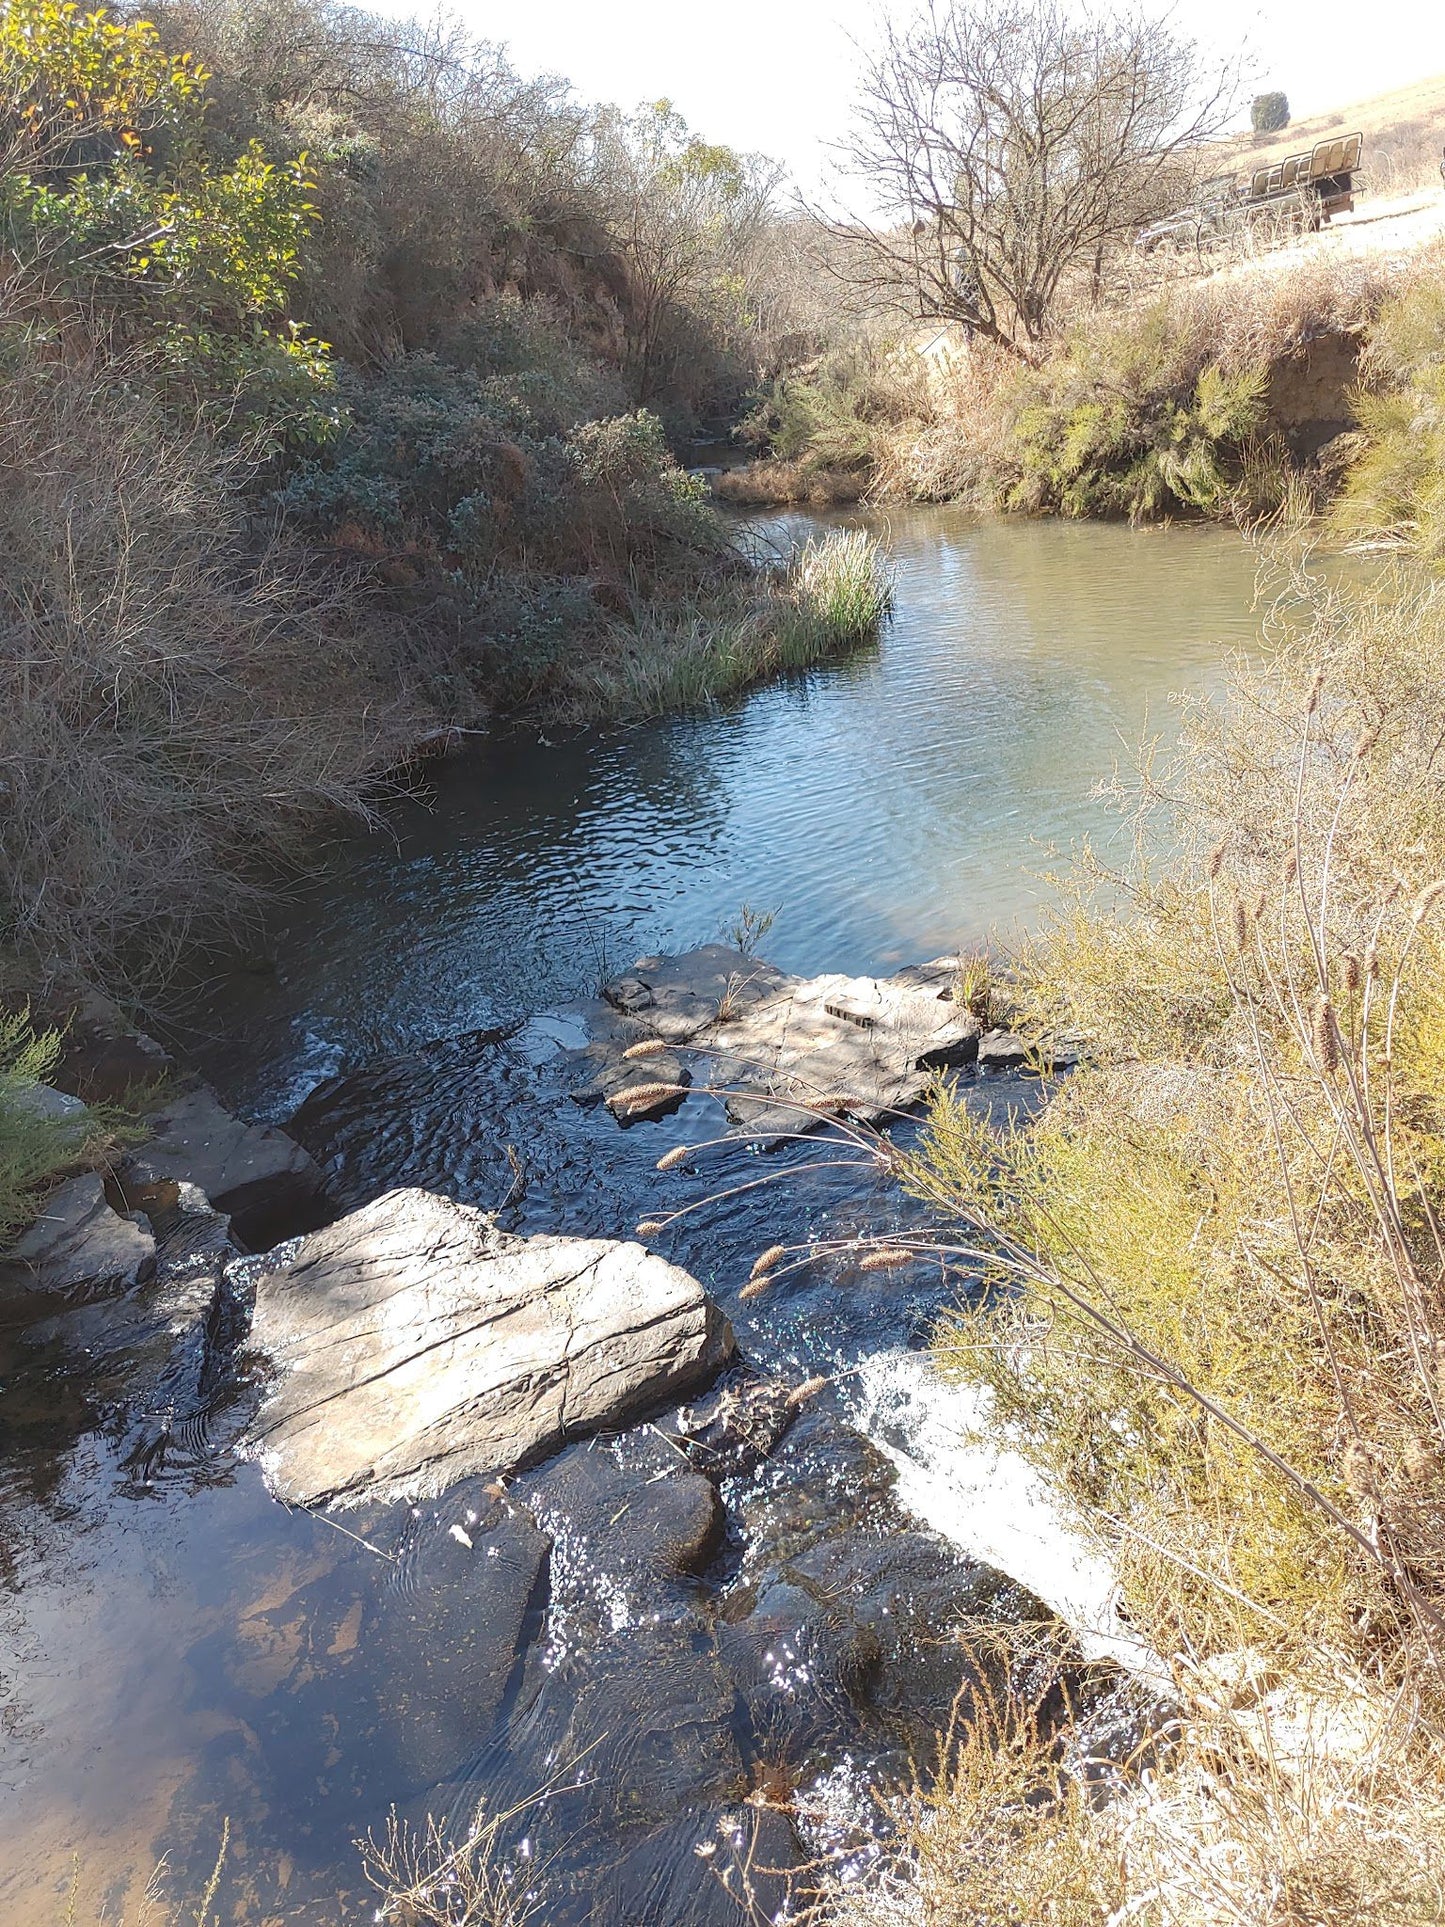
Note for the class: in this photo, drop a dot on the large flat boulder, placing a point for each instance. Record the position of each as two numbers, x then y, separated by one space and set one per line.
413 1343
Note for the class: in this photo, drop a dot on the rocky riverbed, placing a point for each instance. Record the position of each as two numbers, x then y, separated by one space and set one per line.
604 1542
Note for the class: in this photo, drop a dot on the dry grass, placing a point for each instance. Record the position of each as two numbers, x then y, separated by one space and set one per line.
779 484
178 703
436 1877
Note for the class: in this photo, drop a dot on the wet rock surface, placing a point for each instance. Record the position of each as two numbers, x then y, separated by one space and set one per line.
79 1246
708 1633
792 1052
268 1185
414 1343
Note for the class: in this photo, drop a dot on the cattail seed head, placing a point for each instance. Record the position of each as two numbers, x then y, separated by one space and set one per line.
1420 1463
1366 743
1352 972
1372 959
634 1096
649 1047
800 1394
1326 1037
769 1260
755 1287
1427 900
1289 869
1216 861
649 1227
679 1154
1256 909
886 1258
1312 701
1240 923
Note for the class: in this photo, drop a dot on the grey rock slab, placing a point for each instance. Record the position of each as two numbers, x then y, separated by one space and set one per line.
677 998
51 1106
1001 1050
414 1343
860 1046
256 1174
79 1245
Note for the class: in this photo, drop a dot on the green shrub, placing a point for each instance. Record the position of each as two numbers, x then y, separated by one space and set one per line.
1134 420
1395 490
837 414
1217 1278
34 1149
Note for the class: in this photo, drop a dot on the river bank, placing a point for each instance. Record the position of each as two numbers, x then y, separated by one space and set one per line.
418 1002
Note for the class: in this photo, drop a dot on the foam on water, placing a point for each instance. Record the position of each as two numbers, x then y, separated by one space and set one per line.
958 1476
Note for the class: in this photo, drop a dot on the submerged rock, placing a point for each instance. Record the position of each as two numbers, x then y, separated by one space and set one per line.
79 1246
414 1343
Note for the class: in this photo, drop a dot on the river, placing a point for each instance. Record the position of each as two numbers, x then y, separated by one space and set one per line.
177 1652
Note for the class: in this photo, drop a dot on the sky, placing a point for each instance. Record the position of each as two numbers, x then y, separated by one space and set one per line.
775 76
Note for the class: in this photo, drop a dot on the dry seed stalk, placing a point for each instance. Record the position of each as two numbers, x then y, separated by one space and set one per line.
800 1394
886 1258
768 1260
637 1094
1326 1037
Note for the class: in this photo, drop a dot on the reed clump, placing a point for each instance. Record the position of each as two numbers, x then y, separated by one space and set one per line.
687 651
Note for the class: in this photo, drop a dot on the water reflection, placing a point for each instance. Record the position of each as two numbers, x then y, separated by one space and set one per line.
889 807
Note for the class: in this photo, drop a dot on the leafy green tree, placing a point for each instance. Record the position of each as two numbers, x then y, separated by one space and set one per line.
112 213
1269 113
687 217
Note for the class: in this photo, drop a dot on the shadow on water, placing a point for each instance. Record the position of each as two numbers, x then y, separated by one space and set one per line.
679 1645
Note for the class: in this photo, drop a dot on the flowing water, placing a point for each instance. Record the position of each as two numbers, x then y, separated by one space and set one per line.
178 1652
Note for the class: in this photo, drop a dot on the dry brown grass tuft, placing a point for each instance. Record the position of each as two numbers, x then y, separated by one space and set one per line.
179 700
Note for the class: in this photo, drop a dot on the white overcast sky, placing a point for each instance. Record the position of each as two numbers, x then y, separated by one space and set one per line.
775 76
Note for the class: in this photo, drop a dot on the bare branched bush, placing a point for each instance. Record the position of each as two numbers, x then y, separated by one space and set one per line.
181 701
1013 143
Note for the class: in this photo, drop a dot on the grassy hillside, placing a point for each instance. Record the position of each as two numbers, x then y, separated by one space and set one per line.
1404 131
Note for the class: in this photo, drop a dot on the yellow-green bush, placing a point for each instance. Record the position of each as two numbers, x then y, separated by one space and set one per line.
1396 487
1218 1281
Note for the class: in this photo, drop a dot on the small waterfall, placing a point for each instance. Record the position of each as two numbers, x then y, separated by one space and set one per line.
986 1498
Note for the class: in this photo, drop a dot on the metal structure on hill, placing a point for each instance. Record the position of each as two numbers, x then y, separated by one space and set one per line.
1297 195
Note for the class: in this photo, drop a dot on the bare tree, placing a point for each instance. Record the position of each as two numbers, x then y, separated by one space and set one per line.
1011 144
688 218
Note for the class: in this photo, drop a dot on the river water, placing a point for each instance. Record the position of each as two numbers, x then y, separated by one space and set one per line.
178 1653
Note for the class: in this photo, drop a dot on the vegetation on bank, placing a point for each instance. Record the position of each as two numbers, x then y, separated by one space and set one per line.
1160 407
33 1146
1215 1274
338 365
